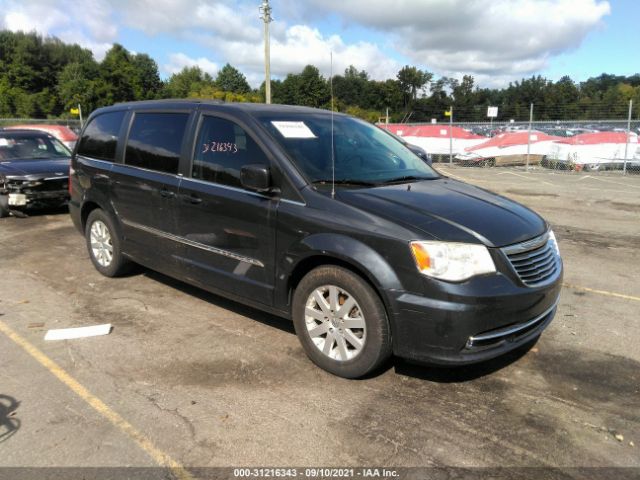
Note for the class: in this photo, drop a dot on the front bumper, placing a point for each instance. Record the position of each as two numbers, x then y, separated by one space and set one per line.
27 191
35 197
476 321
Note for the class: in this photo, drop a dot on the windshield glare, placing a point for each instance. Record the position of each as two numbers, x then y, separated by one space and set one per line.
363 153
31 147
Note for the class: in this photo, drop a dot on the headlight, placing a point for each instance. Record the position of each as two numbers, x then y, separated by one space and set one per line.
452 261
554 242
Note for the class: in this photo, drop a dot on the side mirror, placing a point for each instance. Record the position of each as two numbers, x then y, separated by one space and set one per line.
256 178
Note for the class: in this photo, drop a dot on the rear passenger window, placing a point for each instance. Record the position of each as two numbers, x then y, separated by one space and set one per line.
155 141
222 149
100 138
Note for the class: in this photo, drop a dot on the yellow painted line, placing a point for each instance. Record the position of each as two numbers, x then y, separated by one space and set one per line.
160 457
601 292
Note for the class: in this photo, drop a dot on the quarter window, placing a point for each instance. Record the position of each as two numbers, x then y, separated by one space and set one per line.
100 138
222 149
155 141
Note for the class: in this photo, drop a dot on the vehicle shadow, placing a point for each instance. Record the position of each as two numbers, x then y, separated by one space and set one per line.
39 212
263 317
460 374
430 373
9 424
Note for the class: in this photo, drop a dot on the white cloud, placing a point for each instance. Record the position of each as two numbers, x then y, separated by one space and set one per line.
300 45
186 18
177 61
86 22
494 40
508 38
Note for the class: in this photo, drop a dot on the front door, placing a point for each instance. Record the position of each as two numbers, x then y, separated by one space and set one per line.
227 232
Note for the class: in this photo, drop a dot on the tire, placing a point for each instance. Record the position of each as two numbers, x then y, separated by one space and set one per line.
355 350
105 251
4 206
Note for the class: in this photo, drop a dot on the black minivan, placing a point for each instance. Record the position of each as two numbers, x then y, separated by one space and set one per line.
317 217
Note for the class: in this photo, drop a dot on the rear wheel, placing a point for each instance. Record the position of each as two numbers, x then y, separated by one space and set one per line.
341 322
103 244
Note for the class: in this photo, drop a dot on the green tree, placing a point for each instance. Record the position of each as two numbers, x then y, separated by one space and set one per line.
307 88
79 83
189 79
145 80
412 80
230 79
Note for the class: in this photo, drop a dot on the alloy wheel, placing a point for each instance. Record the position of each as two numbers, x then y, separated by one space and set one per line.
101 244
335 322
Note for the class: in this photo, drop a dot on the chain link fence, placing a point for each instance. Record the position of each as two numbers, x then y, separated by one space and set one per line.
561 146
605 145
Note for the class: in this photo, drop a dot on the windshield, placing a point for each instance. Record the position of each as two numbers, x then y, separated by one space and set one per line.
30 147
364 154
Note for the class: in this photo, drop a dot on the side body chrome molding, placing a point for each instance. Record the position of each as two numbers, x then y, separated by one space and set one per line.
191 243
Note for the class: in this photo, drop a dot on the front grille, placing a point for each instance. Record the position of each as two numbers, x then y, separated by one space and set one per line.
535 261
54 184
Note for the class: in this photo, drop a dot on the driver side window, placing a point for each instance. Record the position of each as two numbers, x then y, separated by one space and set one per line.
222 148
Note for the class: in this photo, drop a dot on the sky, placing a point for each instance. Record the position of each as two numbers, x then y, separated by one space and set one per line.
496 41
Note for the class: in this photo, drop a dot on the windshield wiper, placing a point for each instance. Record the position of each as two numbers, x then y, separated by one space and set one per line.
345 181
406 178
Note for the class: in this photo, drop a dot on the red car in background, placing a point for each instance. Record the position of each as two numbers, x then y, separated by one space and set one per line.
67 136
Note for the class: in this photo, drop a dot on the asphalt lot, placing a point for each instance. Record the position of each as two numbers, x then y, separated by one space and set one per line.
191 378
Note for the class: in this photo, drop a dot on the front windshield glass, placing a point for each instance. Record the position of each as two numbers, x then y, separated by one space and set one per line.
363 153
30 147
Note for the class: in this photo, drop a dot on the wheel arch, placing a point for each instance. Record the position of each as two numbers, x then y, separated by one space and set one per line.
87 208
339 250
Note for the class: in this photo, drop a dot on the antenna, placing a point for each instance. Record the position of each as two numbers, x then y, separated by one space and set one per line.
333 157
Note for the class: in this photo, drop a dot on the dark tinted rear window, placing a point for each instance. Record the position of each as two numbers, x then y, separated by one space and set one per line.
155 141
100 138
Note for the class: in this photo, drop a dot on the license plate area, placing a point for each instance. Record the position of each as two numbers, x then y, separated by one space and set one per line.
17 199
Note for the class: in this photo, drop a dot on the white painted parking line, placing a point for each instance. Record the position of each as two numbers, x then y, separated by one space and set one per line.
531 177
610 181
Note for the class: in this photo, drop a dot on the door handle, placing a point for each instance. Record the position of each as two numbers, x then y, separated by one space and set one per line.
194 199
166 193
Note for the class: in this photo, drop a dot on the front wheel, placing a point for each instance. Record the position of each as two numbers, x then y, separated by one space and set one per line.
341 322
103 244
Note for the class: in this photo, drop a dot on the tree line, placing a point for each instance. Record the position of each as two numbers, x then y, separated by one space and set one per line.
44 77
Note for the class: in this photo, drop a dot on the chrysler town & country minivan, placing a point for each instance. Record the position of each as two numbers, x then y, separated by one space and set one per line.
317 217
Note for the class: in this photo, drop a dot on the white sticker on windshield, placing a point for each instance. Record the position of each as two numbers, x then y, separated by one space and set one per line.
4 142
294 129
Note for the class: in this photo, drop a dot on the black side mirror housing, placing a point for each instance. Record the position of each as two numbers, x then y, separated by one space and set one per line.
256 177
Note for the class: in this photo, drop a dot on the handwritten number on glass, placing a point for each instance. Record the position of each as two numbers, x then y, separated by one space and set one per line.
220 147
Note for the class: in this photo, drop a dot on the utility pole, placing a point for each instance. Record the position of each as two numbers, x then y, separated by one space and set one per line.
626 146
265 15
80 114
529 134
451 135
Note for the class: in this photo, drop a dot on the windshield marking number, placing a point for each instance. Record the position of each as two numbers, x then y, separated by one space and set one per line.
228 147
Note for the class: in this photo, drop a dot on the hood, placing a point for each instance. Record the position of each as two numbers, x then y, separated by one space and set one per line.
58 167
446 209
